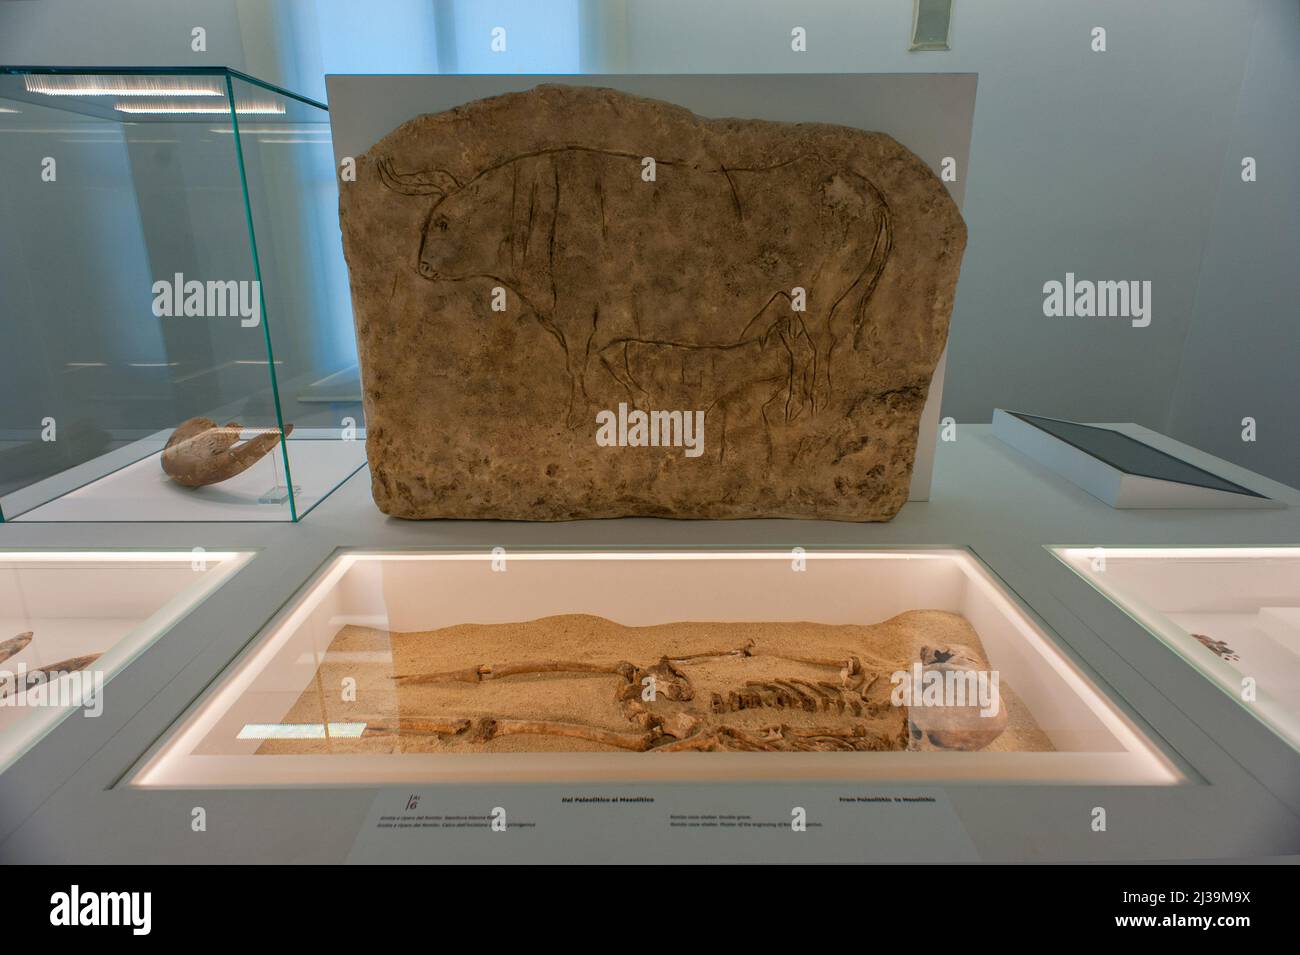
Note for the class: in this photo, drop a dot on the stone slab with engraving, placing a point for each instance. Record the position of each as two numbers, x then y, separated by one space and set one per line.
576 303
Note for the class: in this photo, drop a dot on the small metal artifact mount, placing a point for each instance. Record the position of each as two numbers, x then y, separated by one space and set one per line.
668 720
201 452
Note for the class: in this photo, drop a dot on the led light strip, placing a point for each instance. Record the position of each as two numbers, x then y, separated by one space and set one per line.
126 556
1159 552
118 86
161 107
280 130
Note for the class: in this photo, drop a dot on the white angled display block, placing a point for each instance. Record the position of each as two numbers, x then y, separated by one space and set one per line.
1117 468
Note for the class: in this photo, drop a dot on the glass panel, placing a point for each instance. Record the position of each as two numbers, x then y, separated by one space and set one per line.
293 206
130 297
1233 613
930 24
400 667
70 621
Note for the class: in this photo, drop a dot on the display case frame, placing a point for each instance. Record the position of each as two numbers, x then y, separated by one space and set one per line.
69 602
202 179
1213 583
1129 756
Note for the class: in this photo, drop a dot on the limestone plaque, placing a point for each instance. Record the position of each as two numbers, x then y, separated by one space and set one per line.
576 303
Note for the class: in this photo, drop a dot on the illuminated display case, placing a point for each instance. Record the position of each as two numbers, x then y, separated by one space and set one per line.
405 667
180 260
70 620
1233 613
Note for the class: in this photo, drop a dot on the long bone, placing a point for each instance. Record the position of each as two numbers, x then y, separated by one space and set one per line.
14 645
488 728
488 671
410 726
745 651
849 667
37 677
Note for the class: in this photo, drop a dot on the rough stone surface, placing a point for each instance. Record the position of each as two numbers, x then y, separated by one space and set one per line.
675 294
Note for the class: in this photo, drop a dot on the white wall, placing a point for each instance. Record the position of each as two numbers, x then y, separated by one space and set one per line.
1242 356
119 33
1115 165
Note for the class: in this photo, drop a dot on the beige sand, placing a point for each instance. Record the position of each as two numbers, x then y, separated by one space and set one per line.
590 698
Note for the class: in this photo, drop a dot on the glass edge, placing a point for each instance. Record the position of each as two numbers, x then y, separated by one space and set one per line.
1151 621
261 292
157 71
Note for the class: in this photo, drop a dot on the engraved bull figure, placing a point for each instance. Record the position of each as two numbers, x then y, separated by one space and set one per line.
616 273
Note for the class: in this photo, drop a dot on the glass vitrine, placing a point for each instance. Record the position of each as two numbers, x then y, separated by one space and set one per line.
415 666
170 255
1233 613
71 620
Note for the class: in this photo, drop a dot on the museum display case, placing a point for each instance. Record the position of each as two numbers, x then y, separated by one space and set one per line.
71 620
1233 613
424 666
177 286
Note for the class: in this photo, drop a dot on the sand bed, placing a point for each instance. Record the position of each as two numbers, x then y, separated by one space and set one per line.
374 657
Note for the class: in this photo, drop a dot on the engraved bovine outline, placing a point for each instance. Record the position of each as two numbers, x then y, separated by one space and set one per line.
534 183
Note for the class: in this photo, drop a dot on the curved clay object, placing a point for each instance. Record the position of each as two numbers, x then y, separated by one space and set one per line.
957 727
201 452
14 645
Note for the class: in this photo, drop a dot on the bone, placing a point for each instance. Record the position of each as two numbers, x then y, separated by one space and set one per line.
843 663
488 671
825 699
200 452
46 673
14 645
704 741
669 682
855 737
805 700
406 726
682 725
636 712
791 694
487 729
745 651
